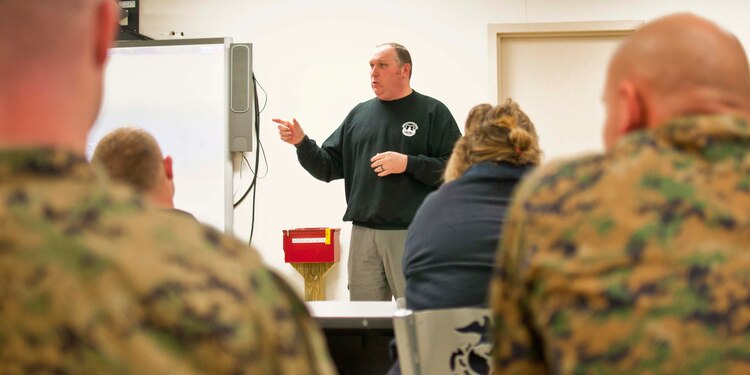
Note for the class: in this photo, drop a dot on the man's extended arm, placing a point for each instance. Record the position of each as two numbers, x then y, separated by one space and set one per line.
324 163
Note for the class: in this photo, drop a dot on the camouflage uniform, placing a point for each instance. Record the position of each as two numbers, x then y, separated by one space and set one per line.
93 282
632 262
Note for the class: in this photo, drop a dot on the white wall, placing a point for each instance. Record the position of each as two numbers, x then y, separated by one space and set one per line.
312 59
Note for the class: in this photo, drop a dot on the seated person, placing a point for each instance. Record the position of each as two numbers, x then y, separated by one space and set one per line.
450 246
92 281
637 260
133 156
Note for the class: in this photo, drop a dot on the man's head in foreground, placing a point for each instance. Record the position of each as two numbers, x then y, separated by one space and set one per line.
677 65
51 70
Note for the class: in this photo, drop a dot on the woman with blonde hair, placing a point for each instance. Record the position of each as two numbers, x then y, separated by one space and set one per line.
450 247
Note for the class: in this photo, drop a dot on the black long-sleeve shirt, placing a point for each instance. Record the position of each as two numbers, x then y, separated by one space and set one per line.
416 125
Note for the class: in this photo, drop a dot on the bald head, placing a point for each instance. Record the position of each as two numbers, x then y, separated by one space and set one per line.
677 65
53 54
33 32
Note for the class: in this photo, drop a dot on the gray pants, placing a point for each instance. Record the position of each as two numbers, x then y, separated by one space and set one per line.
375 272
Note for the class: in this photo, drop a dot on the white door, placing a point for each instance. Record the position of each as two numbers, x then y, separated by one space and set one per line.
558 80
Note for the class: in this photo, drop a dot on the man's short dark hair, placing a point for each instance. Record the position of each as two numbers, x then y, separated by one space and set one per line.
402 55
132 156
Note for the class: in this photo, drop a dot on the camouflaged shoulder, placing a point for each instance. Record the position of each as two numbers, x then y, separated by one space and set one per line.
633 262
95 282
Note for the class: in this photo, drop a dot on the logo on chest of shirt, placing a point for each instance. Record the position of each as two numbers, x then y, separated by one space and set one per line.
409 129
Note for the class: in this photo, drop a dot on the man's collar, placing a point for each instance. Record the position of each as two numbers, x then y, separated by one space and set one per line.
42 162
695 132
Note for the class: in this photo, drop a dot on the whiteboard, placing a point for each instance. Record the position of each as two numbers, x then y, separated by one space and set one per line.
177 90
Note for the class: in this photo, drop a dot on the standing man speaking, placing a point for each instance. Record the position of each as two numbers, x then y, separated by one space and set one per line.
390 151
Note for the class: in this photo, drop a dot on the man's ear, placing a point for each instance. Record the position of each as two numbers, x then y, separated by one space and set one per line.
105 29
406 72
635 108
168 168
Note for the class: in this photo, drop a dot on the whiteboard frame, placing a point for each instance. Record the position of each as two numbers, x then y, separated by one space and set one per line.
228 209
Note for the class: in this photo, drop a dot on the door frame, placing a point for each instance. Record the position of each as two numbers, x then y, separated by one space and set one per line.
499 31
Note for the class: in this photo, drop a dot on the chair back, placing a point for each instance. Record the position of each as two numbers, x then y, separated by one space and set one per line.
445 341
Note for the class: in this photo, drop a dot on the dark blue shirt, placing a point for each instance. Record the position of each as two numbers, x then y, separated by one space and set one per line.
450 248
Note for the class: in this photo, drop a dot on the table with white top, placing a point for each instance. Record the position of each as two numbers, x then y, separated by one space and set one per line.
353 314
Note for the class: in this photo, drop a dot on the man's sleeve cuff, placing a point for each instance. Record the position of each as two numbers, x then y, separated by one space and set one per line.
302 142
411 163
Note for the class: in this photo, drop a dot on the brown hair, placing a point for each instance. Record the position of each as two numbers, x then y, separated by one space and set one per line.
130 155
402 55
501 133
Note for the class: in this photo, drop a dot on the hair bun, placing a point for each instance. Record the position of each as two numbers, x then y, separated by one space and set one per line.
520 139
506 120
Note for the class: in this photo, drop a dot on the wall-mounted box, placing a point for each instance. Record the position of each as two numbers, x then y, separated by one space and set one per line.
312 245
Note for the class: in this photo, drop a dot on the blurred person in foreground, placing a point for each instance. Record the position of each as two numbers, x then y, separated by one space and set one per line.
93 281
637 260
